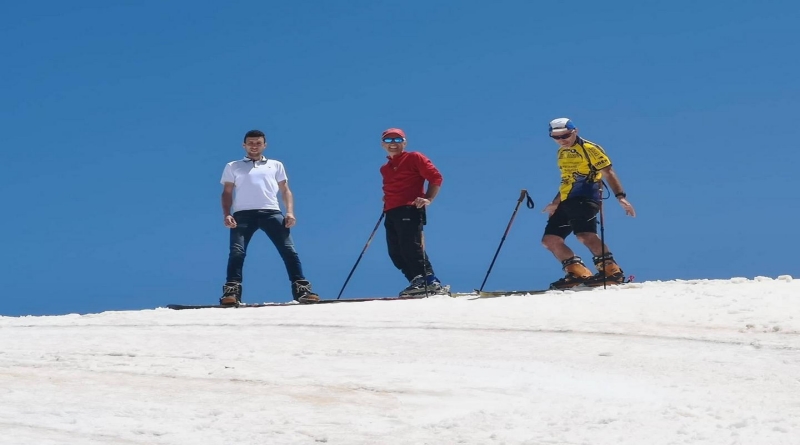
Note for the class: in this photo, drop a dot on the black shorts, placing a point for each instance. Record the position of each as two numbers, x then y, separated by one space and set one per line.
573 216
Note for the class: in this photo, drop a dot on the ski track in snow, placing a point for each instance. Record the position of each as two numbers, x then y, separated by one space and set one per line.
684 362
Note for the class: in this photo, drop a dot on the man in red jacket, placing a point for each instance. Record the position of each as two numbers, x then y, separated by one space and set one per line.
404 202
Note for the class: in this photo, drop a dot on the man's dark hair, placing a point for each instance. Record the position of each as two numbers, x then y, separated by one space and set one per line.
254 134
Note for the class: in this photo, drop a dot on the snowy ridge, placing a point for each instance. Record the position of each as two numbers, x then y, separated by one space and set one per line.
677 362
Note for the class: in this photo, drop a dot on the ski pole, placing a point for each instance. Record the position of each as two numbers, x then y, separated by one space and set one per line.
371 235
603 237
522 195
422 221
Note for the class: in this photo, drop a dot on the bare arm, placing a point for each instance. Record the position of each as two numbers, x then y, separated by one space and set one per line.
433 190
288 202
551 208
227 203
613 180
616 188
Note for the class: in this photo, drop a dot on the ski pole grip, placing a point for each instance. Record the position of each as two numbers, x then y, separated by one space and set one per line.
524 194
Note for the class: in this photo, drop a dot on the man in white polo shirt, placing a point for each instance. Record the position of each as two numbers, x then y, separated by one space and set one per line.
250 189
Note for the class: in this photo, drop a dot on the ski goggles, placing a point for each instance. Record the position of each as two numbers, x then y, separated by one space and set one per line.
563 136
394 140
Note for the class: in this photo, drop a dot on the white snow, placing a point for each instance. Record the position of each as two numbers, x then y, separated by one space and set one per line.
679 362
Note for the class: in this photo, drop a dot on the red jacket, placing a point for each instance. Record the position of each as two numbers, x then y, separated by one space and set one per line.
404 178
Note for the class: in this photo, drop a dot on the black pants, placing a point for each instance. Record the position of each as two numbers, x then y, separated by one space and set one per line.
404 241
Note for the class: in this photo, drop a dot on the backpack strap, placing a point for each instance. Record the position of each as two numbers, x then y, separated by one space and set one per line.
593 172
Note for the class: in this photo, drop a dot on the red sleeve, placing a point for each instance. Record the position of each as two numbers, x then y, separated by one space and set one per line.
428 171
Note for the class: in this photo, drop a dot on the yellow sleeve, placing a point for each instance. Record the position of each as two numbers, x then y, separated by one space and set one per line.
597 157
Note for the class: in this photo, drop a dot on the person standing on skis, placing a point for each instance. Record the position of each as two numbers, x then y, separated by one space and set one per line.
250 188
404 203
576 205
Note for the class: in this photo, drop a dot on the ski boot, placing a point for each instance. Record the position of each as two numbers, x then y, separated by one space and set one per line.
609 271
577 274
231 294
301 292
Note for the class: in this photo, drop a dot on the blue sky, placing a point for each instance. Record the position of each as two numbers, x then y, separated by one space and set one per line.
118 118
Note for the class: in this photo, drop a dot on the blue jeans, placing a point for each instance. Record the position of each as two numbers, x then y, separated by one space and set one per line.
272 223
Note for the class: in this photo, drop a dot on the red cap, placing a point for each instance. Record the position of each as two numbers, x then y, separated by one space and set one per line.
394 131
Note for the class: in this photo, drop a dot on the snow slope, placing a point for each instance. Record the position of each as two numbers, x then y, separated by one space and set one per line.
680 362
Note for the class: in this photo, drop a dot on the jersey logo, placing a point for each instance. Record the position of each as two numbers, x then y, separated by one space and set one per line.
569 153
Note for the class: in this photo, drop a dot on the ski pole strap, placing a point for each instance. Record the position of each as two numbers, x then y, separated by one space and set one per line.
593 172
524 194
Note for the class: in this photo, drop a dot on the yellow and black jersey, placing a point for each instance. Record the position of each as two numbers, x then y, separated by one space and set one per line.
580 177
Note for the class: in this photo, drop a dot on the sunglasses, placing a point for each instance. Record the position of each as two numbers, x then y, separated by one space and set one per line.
563 136
394 140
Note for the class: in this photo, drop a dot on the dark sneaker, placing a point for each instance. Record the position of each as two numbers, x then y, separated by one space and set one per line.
308 299
301 292
419 286
231 294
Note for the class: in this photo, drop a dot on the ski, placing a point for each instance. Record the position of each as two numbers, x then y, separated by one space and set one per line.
178 307
579 288
503 293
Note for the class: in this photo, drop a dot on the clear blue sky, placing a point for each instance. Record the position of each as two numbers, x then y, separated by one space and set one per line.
118 117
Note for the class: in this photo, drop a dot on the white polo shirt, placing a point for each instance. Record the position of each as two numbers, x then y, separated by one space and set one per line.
255 183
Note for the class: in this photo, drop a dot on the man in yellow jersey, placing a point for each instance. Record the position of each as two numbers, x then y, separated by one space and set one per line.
583 166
